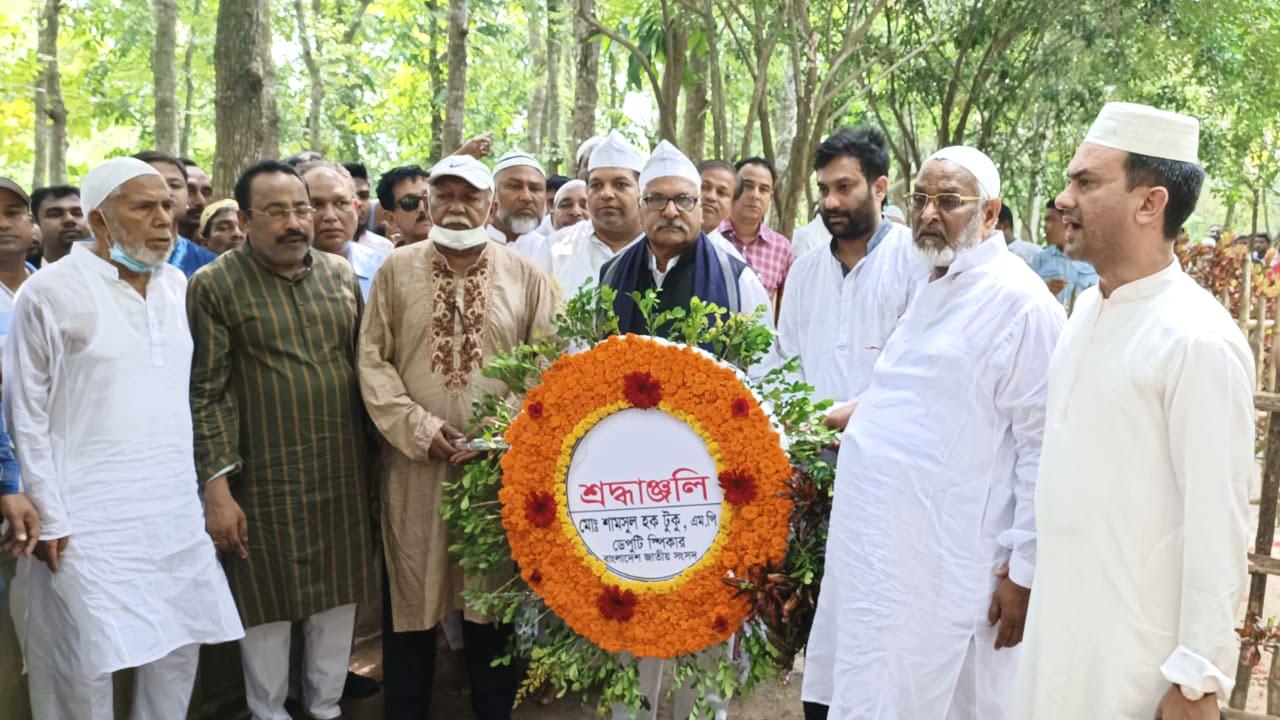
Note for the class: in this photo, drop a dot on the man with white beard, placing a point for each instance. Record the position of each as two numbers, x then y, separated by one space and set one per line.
932 544
519 202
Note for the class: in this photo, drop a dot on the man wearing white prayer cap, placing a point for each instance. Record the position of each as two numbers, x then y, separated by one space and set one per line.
97 373
519 200
931 549
575 253
1148 451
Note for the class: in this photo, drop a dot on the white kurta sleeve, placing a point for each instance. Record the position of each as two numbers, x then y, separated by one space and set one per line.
751 294
1211 436
30 360
787 344
1021 397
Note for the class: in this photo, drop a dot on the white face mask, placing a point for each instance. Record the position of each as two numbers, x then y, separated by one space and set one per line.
458 239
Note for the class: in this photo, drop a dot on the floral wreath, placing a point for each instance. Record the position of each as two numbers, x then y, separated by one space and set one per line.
697 608
759 578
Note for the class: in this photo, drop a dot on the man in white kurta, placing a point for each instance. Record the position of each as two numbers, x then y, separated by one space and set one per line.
1142 500
97 370
936 472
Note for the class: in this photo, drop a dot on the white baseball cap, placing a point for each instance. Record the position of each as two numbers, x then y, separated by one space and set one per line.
465 167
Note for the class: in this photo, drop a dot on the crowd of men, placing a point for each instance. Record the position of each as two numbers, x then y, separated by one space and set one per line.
1034 518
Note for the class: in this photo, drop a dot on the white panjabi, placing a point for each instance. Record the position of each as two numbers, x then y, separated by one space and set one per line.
617 152
1144 130
668 161
517 158
976 162
100 181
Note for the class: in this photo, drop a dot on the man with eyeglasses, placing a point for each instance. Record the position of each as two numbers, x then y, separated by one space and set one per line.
332 193
402 191
931 549
365 204
280 447
438 312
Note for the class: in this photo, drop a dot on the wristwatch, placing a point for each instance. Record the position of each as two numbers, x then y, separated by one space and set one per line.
1190 694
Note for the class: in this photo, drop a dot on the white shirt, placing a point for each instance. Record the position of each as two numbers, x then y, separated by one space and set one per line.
531 245
575 255
934 491
837 322
374 241
365 261
1025 250
96 381
813 234
1142 504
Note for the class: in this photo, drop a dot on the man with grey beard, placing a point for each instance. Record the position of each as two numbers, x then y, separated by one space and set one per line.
519 202
931 549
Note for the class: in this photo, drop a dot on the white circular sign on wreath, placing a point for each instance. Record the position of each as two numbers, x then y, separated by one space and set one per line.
643 495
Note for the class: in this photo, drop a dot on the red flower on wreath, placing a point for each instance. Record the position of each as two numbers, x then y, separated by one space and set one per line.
642 390
617 604
540 509
720 625
741 407
535 410
535 577
739 487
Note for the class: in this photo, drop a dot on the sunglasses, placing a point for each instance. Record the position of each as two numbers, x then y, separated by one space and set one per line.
410 203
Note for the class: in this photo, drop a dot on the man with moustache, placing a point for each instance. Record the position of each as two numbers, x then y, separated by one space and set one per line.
60 219
1142 505
96 371
931 549
199 195
718 182
332 193
402 191
279 446
364 206
438 312
187 256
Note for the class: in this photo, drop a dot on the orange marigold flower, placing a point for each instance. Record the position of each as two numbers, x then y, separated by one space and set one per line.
616 604
540 509
739 487
642 390
741 407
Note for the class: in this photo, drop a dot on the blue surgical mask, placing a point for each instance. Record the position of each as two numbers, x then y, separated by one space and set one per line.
119 255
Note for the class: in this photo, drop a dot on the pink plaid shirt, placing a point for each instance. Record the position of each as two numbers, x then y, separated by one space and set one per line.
770 255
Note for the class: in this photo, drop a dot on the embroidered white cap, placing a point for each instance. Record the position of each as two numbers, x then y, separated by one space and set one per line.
1144 130
100 181
465 167
976 162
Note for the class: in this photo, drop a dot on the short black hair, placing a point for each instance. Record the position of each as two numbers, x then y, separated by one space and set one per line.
1182 180
152 157
357 170
756 160
386 190
53 192
555 182
188 162
716 164
865 144
1006 215
244 185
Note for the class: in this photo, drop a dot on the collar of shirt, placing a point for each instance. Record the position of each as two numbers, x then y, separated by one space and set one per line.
1143 288
660 275
979 254
765 234
307 260
877 237
86 257
496 235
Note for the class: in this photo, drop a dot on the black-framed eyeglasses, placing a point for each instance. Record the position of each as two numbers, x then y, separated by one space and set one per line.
278 213
410 203
946 202
684 203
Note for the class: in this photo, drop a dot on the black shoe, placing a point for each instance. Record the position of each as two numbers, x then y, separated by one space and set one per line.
359 687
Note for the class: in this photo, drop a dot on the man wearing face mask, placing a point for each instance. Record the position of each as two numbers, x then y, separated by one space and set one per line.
278 443
455 301
96 369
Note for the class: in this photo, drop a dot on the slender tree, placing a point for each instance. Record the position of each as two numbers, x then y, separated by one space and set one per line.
55 110
456 98
586 89
164 72
245 101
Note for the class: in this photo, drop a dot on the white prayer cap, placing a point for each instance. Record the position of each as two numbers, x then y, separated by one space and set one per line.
465 167
564 190
615 151
588 145
893 212
100 181
668 161
518 158
976 162
1145 130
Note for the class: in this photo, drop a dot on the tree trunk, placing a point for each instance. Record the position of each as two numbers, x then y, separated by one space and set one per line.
718 116
555 29
538 56
56 112
675 50
271 141
456 99
310 51
184 146
243 107
164 71
693 138
435 76
40 169
586 91
785 122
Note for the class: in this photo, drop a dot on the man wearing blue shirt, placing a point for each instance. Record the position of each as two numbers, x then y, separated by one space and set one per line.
1066 278
187 255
